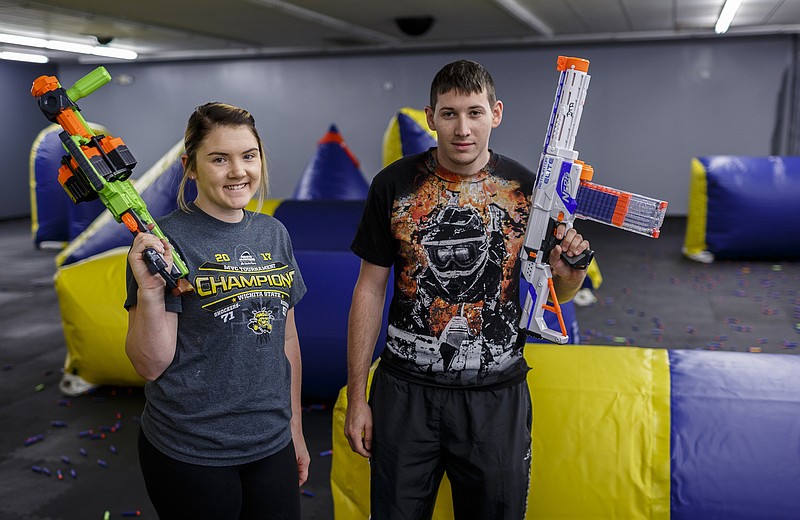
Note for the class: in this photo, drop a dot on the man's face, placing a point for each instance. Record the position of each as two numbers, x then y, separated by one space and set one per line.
463 124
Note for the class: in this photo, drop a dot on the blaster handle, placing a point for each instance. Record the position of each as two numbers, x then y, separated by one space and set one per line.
579 262
155 262
157 265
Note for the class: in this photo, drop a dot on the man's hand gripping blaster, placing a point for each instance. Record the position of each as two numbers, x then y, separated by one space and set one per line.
99 166
562 191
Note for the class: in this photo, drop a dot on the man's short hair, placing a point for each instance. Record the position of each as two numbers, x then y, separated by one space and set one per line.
465 77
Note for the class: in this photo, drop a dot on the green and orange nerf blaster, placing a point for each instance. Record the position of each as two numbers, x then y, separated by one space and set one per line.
98 166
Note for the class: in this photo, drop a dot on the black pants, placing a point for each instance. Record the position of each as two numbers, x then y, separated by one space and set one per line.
266 488
480 438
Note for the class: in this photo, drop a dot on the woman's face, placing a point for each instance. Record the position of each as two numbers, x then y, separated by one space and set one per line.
227 172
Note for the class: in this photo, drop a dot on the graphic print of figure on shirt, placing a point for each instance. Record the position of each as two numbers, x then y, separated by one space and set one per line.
454 324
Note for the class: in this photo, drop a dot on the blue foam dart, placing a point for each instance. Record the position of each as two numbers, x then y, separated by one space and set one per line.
621 209
333 172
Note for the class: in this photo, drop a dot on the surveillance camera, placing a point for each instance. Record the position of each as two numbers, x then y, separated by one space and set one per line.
414 25
104 40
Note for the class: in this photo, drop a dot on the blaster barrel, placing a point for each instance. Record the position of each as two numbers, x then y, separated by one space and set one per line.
88 84
573 83
553 201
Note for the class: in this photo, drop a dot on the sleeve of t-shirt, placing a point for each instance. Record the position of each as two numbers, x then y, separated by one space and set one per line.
298 284
373 241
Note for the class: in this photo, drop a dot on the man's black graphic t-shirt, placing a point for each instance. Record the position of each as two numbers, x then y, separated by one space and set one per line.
454 242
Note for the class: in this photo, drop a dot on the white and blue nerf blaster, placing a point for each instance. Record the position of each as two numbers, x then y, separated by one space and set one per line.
562 192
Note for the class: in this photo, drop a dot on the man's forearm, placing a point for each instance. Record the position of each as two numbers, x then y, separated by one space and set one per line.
364 325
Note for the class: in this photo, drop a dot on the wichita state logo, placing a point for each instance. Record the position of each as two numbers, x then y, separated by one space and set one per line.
261 322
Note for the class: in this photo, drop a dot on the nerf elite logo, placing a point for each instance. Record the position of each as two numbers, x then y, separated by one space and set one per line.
212 285
545 171
565 187
564 182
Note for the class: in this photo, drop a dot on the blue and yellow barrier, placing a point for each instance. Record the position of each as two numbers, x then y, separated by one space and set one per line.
407 134
633 433
55 220
333 172
743 208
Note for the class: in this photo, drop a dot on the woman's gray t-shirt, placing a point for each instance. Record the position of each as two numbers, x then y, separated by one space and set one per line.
225 399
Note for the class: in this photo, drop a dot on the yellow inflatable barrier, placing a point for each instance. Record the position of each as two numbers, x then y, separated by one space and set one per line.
407 134
91 293
694 245
601 438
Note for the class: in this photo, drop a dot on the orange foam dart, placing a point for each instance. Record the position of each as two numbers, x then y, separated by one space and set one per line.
663 208
569 62
623 201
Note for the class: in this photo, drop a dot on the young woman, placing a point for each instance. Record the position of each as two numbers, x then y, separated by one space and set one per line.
221 434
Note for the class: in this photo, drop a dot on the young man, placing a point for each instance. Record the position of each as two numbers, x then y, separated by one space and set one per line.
450 393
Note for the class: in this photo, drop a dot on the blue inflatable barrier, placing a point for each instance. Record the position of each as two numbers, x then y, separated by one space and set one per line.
743 208
55 220
407 134
332 173
735 435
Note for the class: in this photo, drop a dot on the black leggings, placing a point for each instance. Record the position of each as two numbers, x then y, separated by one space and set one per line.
266 488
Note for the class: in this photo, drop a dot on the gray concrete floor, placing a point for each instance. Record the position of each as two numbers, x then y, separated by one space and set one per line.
653 297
